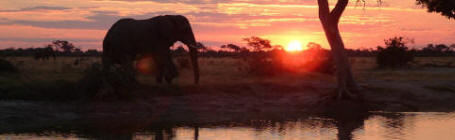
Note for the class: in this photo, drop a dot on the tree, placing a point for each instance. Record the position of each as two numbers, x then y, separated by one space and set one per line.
233 47
330 19
396 53
444 7
66 46
258 44
201 46
442 48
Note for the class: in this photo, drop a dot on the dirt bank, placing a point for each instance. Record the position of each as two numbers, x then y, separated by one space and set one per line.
211 104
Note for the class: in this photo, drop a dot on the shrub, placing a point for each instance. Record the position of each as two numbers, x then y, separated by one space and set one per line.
319 59
6 66
323 65
266 63
107 83
395 54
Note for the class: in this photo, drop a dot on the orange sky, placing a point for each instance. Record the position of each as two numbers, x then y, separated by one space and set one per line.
25 23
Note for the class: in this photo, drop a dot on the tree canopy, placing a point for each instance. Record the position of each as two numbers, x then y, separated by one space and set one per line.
444 7
258 43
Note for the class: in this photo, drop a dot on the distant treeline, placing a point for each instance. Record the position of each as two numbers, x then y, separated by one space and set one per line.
56 48
432 50
256 47
35 51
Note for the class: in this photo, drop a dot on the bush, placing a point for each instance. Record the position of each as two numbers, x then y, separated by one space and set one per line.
110 83
395 54
6 66
319 59
266 63
324 65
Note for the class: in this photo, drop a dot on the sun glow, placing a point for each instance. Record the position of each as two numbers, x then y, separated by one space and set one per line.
294 46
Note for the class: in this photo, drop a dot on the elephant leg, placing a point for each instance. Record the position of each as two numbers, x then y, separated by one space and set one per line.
170 72
170 69
128 64
165 73
160 75
159 67
165 67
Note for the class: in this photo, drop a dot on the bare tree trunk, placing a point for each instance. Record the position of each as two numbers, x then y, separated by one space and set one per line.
330 20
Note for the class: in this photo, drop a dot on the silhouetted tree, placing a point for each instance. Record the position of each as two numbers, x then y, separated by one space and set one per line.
330 20
233 47
395 54
66 46
258 44
442 48
436 50
201 46
236 50
444 7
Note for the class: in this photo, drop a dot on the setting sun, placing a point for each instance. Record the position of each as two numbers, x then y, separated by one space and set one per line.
294 46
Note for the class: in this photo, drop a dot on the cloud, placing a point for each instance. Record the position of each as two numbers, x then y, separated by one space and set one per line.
97 20
48 39
227 1
44 8
216 21
37 8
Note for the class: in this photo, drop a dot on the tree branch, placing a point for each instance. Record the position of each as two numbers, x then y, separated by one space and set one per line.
338 10
324 11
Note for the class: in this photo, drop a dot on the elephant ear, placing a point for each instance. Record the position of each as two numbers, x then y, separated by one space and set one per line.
166 28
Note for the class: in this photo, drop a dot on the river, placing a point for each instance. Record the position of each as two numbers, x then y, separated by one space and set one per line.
374 126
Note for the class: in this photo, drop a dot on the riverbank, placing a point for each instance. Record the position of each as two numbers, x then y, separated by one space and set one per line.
211 104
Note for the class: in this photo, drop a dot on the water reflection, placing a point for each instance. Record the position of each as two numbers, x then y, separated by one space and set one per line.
345 126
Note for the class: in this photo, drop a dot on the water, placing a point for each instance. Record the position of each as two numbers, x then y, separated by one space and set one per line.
375 126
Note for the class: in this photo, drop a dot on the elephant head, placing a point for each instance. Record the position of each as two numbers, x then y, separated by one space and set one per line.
173 28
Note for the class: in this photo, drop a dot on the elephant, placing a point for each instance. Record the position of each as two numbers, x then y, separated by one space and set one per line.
129 39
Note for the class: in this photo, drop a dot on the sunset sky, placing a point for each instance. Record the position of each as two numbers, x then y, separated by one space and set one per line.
25 23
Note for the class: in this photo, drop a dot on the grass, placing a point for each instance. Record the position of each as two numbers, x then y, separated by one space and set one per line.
441 88
55 80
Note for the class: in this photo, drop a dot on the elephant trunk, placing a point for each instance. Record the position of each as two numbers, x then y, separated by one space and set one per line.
193 47
194 63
